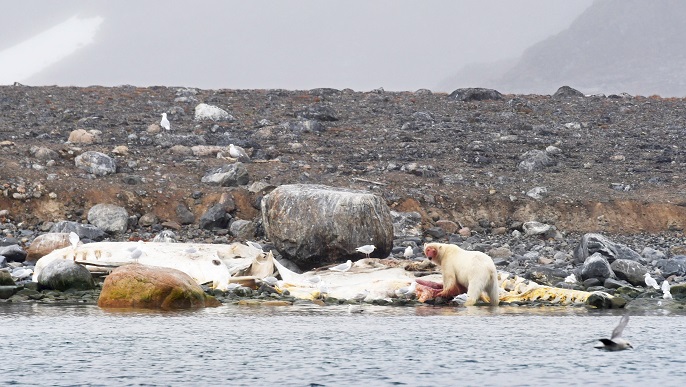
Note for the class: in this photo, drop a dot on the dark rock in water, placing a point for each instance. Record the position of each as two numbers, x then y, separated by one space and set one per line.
230 175
63 274
596 266
602 300
314 224
630 271
215 217
546 275
7 291
109 217
671 267
84 231
6 279
678 291
475 94
567 92
13 253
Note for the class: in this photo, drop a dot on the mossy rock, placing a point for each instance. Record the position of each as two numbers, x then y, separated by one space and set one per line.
151 287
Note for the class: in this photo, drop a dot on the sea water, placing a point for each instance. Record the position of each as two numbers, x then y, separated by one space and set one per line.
307 345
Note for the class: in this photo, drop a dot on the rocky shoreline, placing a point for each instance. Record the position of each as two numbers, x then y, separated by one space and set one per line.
522 178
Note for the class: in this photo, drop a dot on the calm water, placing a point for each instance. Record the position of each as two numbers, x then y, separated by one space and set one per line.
308 345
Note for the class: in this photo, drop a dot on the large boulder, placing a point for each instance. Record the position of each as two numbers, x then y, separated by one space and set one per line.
152 287
596 266
109 217
46 243
475 94
630 271
314 225
229 175
84 231
595 243
97 163
13 253
63 274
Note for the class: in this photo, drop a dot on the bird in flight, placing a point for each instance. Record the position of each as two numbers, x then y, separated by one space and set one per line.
616 342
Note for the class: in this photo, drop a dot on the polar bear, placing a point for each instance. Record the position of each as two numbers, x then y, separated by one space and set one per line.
463 270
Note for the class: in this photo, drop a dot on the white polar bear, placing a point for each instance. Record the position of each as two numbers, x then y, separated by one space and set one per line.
463 270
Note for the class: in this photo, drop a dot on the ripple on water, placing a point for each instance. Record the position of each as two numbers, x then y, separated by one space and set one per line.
235 345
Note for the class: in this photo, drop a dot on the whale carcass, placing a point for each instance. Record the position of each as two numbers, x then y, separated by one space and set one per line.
205 263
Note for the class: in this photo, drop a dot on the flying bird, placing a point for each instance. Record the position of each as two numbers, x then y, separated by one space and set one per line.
165 122
366 249
237 152
666 290
616 342
650 281
409 252
343 266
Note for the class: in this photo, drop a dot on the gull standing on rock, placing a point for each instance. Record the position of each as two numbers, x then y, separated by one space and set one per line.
409 252
616 342
366 249
343 266
666 290
165 122
237 152
650 281
74 240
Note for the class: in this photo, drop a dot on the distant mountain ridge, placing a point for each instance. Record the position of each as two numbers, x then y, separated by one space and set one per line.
632 46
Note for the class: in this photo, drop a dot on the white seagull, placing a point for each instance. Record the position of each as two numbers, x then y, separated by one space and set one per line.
616 342
570 279
407 290
355 309
366 249
165 122
237 152
666 290
409 252
343 266
650 281
73 239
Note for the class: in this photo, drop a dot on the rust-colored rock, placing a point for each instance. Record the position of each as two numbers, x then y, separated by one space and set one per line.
151 287
46 243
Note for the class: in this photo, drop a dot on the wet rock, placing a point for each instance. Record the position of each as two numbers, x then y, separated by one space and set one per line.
13 253
97 163
84 231
475 94
46 243
140 286
230 175
109 217
208 112
63 274
314 224
7 291
630 271
215 217
6 279
596 266
602 300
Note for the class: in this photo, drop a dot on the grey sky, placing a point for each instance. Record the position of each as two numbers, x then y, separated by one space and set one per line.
291 44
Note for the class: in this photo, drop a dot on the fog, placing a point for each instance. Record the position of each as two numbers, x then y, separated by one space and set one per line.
294 44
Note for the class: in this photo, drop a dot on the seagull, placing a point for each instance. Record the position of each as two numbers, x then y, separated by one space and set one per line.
20 273
650 281
271 280
407 290
616 342
355 309
165 122
409 252
666 294
237 152
254 245
343 266
366 249
570 279
361 296
135 254
460 298
73 239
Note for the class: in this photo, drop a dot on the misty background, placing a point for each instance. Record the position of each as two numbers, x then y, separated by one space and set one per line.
524 46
